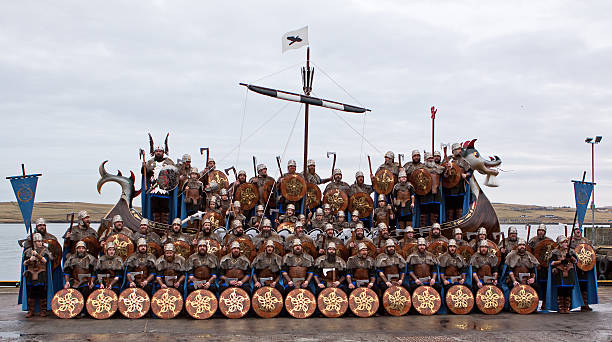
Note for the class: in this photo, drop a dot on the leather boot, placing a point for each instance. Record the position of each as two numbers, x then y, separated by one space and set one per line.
31 304
43 307
543 307
560 304
585 299
566 304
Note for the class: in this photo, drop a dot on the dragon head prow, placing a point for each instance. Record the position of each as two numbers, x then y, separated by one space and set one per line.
128 192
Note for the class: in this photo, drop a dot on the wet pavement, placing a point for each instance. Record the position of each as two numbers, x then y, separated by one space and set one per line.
592 326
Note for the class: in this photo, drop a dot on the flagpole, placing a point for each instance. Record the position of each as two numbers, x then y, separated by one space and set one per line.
31 235
307 89
433 120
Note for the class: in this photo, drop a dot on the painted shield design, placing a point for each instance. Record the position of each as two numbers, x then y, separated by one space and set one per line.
452 176
313 196
246 248
586 257
332 302
363 203
102 303
155 249
278 248
218 177
168 178
288 226
363 302
422 181
438 248
201 304
523 299
493 249
337 200
543 250
214 247
167 303
182 248
234 302
490 299
56 251
426 300
409 248
310 248
465 251
134 303
124 247
93 246
459 299
384 180
248 195
293 187
396 300
300 303
267 302
216 220
67 303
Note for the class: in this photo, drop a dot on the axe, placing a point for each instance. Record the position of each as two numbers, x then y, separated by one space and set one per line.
255 166
370 164
231 168
202 149
278 162
399 159
141 154
334 163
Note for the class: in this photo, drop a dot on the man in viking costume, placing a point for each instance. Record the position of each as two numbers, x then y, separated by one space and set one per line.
330 269
79 271
234 269
361 270
298 267
390 267
145 232
170 268
484 267
324 239
79 231
521 266
109 270
140 268
201 269
389 164
193 192
436 235
311 174
318 222
452 267
337 183
422 267
382 237
266 234
36 261
267 268
159 198
458 233
299 234
586 279
261 179
454 196
360 186
403 200
117 228
563 278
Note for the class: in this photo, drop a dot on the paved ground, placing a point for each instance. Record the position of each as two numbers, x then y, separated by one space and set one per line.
593 326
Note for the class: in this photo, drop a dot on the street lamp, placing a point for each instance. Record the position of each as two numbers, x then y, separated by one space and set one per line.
593 141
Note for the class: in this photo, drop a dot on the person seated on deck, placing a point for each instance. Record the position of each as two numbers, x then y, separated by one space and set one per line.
109 270
324 239
234 268
390 267
170 269
453 267
422 268
484 267
330 269
298 268
361 270
202 269
140 268
267 268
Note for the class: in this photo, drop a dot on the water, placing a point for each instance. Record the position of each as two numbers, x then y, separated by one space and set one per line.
10 252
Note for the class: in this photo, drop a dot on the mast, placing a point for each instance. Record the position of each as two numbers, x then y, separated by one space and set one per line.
307 75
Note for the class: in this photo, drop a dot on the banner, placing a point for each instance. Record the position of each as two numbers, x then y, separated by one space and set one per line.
25 189
295 39
582 192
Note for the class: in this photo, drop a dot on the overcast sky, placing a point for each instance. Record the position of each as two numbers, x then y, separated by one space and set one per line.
85 81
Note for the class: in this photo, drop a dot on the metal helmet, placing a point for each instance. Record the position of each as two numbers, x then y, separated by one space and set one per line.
223 192
117 218
177 221
341 213
186 157
329 226
212 187
81 244
331 245
416 152
202 242
82 214
381 198
141 242
110 245
389 154
326 206
457 231
211 159
37 237
144 222
40 221
359 225
455 146
236 224
381 225
561 239
291 206
355 213
241 172
428 155
402 173
435 226
542 226
235 244
291 162
261 167
169 247
299 224
310 162
361 246
409 229
237 204
437 153
296 242
337 172
319 211
482 230
358 174
389 243
452 242
259 208
483 243
302 216
206 220
522 242
269 243
266 223
194 170
421 241
512 230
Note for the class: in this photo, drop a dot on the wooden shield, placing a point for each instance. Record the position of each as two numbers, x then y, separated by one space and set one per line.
493 249
332 302
337 200
201 304
219 178
134 303
234 302
289 226
490 299
155 249
371 249
452 176
182 248
300 303
216 220
67 303
248 195
268 187
459 299
543 250
310 248
124 247
465 251
361 202
523 299
278 248
396 300
426 300
267 302
422 181
214 247
102 303
247 248
93 246
586 257
313 196
438 248
56 251
167 303
409 248
343 252
363 302
293 187
383 182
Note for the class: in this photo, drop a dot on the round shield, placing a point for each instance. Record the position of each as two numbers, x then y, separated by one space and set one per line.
383 182
438 248
182 248
124 247
409 248
268 188
155 249
278 248
246 248
102 303
371 249
343 252
310 248
67 303
363 302
267 302
543 250
293 187
93 246
426 300
134 303
465 251
490 299
361 202
248 195
218 177
523 299
56 251
289 226
313 196
167 303
422 181
452 176
234 302
214 247
216 220
493 249
337 200
201 304
168 178
396 300
459 299
300 303
586 257
332 302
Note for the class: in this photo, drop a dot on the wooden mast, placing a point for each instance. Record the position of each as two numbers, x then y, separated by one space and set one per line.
307 74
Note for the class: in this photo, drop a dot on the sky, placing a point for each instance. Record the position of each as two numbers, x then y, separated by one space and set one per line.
85 81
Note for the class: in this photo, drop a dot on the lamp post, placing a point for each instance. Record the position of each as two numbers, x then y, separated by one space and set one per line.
593 141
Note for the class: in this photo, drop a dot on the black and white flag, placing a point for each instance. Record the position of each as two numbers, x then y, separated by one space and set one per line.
295 39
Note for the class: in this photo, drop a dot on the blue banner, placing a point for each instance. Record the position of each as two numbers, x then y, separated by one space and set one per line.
582 192
25 189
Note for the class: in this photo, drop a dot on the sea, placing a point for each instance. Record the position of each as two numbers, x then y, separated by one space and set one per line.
10 252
